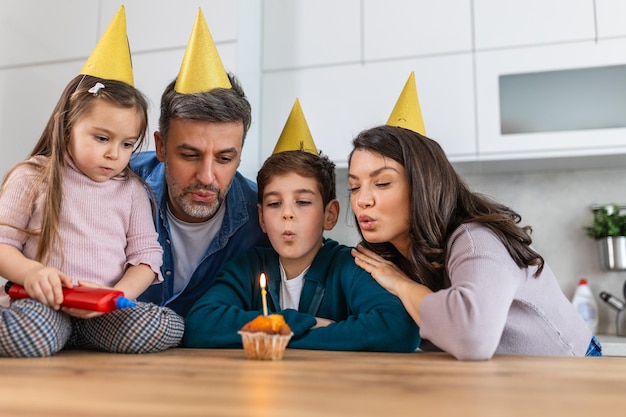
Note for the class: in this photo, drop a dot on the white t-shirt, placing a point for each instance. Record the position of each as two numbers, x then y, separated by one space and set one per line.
290 289
189 243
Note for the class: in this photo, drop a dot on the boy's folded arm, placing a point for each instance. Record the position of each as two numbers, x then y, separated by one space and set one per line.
377 322
300 323
215 326
377 330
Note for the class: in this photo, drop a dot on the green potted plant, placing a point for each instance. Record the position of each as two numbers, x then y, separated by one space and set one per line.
608 228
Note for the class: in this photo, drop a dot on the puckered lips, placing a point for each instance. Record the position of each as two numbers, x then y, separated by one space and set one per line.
366 222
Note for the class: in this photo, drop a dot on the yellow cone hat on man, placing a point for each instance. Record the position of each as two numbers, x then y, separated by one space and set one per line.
110 58
202 69
296 135
407 112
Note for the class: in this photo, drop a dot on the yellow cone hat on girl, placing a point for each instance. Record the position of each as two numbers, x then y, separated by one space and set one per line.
110 58
202 69
407 112
296 135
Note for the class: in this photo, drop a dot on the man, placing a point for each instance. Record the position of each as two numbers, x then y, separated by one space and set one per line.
206 210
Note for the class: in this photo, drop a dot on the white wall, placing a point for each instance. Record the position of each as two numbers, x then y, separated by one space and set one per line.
44 43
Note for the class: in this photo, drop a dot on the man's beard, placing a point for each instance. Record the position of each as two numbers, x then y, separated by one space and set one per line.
196 209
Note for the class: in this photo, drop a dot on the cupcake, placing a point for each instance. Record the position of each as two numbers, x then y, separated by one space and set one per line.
265 337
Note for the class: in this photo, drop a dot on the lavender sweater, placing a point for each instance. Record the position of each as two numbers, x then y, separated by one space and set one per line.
490 305
104 226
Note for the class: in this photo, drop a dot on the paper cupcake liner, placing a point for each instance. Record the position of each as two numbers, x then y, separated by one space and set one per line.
259 345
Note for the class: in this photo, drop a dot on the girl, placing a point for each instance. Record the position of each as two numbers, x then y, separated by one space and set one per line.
459 262
75 214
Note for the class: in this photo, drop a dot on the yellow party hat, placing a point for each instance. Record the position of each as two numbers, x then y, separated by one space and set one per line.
296 135
110 58
407 112
202 68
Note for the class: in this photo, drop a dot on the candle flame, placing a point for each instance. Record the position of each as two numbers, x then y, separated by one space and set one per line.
263 293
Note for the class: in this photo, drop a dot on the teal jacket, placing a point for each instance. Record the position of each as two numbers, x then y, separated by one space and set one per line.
367 317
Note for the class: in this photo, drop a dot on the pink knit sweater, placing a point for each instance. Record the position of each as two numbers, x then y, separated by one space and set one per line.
104 226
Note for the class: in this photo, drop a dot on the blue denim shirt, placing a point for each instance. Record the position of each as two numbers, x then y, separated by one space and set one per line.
240 231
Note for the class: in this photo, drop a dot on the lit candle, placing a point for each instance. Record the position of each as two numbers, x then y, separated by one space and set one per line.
263 293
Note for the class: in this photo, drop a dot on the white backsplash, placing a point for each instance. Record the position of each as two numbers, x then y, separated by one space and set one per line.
557 206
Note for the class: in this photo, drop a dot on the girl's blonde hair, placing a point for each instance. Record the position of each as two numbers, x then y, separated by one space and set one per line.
75 101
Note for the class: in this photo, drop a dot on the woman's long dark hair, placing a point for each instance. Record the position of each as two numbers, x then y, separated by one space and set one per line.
440 202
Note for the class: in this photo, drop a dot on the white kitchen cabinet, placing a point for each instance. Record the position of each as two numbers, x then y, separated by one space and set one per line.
502 24
338 102
491 65
303 33
403 28
611 15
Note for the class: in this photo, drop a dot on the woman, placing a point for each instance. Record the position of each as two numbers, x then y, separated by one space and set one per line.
459 262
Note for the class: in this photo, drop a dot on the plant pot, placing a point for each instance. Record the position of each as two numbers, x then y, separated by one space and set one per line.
613 253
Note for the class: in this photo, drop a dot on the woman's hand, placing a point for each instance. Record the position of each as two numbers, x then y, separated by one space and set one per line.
386 273
45 284
390 277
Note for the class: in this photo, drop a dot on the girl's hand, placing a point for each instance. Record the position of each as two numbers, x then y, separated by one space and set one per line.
80 313
90 284
45 285
386 273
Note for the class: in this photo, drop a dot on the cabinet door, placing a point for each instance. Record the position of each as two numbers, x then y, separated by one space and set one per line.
301 33
402 28
611 15
492 67
339 102
530 22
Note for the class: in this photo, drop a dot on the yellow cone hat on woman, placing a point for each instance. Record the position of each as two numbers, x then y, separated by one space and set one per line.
202 69
110 58
407 112
296 135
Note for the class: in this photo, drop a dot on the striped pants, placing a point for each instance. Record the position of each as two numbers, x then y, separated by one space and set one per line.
31 329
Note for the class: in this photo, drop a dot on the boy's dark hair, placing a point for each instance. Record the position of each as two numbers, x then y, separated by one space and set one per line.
302 163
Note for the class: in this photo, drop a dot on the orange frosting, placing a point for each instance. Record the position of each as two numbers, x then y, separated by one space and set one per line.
271 324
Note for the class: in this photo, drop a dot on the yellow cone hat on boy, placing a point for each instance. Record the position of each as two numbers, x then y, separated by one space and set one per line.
110 58
407 112
202 69
296 135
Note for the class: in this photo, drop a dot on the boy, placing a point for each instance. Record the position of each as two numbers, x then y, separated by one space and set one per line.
327 300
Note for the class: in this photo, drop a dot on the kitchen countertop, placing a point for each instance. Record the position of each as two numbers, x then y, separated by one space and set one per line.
612 345
222 382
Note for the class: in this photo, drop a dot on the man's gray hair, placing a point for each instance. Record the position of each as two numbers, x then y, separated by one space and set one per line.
216 105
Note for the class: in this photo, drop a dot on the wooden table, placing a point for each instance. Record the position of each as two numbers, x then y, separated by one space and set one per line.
194 382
